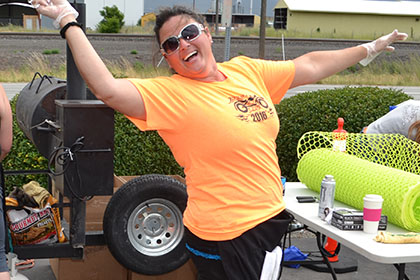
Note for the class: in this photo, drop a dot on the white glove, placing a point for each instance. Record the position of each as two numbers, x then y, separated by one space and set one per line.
55 9
374 48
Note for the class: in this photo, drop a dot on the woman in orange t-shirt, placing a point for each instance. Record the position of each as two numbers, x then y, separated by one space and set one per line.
220 122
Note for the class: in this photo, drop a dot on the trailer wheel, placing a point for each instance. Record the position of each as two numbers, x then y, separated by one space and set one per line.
143 224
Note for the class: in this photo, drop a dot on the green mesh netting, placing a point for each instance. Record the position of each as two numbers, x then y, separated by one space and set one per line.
385 164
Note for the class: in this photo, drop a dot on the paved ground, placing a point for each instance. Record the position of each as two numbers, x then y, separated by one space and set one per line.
366 269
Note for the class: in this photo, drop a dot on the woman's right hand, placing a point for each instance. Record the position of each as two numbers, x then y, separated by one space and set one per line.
120 94
55 9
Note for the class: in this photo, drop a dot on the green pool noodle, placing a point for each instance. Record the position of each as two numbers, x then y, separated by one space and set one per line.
356 177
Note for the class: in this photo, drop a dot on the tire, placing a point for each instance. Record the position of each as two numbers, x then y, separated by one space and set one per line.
143 224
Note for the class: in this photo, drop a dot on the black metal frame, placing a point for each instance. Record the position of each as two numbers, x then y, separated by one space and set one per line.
325 255
76 233
69 249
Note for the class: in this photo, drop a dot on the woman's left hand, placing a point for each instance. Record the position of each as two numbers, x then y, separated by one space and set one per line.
381 44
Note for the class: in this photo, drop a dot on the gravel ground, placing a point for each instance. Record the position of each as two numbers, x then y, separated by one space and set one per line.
24 49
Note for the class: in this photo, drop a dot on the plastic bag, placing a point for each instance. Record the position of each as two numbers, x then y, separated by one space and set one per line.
31 225
294 254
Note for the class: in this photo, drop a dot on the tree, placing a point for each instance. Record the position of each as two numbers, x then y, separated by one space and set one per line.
113 20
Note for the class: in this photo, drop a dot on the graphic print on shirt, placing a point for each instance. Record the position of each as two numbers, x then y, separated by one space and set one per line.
251 108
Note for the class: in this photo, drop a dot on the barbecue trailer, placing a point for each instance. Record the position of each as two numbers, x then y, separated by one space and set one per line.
142 224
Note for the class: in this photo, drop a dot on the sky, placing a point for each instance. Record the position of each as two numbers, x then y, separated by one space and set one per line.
132 8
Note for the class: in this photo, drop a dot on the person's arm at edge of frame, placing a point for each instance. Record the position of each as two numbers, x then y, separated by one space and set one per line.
119 94
5 275
6 124
6 137
317 65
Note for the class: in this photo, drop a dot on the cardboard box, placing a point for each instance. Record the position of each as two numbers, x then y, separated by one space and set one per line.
185 272
353 226
95 208
98 264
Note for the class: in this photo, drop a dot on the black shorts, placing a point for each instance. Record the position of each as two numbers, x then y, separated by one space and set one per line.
241 258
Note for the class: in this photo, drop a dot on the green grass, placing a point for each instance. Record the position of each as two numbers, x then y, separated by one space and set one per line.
391 73
241 31
396 73
35 62
53 51
137 29
38 63
15 28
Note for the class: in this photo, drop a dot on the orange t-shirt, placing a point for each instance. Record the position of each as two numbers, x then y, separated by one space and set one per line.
223 135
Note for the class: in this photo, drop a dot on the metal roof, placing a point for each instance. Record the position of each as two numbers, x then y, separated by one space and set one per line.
395 7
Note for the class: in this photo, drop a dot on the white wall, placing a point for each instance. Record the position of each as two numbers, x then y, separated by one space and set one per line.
133 10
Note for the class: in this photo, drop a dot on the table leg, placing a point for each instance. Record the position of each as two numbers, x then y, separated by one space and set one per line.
324 256
401 271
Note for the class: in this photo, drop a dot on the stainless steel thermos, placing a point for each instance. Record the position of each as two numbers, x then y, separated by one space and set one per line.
326 196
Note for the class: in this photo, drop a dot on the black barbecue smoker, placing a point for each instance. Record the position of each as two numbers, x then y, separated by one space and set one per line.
142 224
75 133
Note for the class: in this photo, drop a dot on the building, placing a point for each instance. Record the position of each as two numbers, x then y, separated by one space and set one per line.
13 13
148 19
238 20
348 17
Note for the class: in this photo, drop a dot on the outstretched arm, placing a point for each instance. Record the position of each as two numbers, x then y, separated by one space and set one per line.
119 94
314 66
6 130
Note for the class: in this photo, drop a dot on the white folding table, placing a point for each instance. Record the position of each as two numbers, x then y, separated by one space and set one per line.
358 241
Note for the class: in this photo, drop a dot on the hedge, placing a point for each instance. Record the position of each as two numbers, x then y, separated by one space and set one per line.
138 153
319 110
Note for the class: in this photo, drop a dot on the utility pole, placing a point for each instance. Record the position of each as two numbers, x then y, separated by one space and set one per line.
262 29
217 18
193 5
227 23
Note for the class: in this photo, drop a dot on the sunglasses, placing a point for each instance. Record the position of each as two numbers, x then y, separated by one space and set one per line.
189 33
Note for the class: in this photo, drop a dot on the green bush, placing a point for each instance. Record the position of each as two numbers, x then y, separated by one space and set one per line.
136 153
53 51
319 110
113 20
23 156
139 152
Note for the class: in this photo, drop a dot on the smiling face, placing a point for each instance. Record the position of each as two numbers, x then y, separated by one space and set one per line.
193 59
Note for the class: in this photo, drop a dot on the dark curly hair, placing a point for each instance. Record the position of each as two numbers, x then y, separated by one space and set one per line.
168 12
415 126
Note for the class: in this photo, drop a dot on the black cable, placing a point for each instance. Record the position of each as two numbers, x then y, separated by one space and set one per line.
64 156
